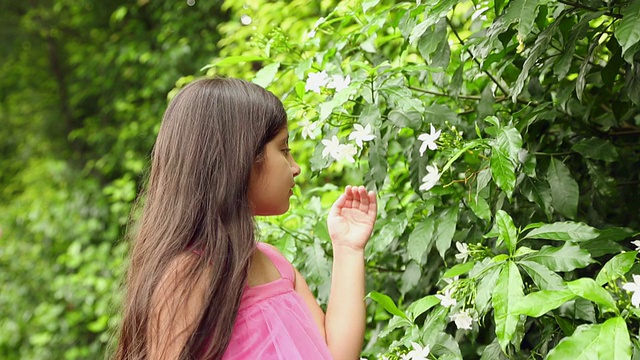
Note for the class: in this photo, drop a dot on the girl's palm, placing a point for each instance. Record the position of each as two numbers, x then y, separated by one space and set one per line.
352 217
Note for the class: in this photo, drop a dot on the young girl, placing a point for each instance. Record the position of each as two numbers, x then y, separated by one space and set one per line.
199 285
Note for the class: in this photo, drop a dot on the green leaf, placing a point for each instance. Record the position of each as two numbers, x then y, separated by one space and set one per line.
368 4
616 268
445 228
421 240
480 207
524 12
628 29
435 323
446 348
395 323
508 291
503 170
539 47
544 278
564 189
595 148
538 192
387 304
616 234
510 142
539 303
609 340
389 232
402 119
564 231
458 269
598 247
588 289
485 289
265 76
410 277
434 14
421 305
569 257
507 232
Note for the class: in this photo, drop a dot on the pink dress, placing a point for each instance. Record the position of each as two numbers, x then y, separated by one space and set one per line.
273 322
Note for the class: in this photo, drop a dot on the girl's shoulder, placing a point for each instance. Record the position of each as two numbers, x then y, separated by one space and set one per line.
281 263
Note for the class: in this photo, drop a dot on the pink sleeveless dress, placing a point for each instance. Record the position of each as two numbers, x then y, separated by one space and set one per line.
273 322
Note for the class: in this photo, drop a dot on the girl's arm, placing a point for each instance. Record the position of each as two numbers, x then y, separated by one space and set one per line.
350 224
174 311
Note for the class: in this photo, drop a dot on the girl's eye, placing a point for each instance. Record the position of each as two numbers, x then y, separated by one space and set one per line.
286 151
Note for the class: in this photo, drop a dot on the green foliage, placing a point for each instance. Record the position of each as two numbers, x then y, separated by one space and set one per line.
83 88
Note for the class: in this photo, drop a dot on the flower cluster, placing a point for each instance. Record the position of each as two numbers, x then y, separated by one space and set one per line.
316 81
417 353
339 151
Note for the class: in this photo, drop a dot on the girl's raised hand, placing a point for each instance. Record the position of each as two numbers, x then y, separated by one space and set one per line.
352 217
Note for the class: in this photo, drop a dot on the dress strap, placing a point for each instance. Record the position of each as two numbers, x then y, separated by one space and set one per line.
280 262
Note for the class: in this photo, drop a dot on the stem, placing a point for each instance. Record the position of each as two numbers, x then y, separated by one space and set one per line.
494 79
589 8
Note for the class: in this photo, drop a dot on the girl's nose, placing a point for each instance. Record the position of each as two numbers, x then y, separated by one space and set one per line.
295 168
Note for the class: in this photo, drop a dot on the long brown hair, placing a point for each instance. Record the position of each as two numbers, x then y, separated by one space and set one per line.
212 134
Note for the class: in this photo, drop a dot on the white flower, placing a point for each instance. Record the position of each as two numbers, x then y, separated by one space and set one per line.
464 251
418 352
634 287
451 280
360 134
331 147
637 244
315 81
347 152
339 83
319 22
462 319
311 34
446 300
308 129
430 180
339 151
429 140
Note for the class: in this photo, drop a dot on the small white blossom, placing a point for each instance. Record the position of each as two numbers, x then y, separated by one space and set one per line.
339 83
347 152
308 129
464 251
430 180
429 140
451 280
311 34
637 244
360 134
315 81
446 299
331 147
462 319
634 287
319 22
418 352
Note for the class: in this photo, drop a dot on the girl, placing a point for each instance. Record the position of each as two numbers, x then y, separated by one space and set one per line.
199 285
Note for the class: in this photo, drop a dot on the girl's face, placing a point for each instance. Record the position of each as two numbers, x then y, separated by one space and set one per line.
271 181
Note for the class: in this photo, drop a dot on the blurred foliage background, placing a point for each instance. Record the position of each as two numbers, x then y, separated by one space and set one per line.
538 105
